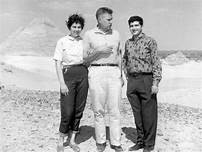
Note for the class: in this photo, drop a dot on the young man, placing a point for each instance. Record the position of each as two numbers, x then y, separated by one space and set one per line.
143 71
102 53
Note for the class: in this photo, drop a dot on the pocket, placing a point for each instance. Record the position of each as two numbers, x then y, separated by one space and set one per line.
89 72
117 72
65 70
148 82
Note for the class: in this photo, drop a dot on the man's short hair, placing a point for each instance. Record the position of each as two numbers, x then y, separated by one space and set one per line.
103 10
135 18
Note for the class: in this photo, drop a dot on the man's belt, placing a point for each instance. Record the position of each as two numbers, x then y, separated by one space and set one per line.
105 64
135 74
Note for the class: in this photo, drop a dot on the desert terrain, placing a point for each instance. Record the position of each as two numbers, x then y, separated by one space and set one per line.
29 98
30 111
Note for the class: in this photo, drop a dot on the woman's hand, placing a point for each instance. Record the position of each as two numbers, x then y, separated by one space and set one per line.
64 89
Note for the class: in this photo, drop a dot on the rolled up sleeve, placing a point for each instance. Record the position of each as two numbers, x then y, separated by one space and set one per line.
58 51
86 45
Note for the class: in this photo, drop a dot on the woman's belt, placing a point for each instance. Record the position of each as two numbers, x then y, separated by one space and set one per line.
74 65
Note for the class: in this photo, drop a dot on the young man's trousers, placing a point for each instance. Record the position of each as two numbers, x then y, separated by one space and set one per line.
144 106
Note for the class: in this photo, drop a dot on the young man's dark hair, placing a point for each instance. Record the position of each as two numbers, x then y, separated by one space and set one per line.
75 18
103 10
135 18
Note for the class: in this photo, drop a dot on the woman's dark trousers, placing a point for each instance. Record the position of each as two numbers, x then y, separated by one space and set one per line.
73 104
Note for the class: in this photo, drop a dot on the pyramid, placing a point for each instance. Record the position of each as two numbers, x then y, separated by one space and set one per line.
38 38
176 58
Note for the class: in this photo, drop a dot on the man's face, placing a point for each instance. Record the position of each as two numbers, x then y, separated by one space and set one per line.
105 21
135 28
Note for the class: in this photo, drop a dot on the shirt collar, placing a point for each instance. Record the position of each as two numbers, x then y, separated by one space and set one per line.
138 37
72 38
99 31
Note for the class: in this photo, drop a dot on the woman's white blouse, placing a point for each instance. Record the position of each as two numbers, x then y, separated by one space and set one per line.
69 51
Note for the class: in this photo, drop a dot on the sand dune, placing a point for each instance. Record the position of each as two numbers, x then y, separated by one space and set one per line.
181 84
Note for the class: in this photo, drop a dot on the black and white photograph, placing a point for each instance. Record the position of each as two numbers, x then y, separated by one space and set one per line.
100 76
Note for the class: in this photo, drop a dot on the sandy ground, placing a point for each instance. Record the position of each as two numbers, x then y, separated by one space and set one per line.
30 114
181 84
30 121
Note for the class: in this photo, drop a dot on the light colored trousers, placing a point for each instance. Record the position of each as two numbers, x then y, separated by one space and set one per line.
105 90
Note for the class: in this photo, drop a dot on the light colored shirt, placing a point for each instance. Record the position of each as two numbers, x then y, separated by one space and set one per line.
95 38
69 51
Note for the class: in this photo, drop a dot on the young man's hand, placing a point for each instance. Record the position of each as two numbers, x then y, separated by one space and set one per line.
154 89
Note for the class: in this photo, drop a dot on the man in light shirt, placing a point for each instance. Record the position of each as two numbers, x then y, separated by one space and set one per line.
102 53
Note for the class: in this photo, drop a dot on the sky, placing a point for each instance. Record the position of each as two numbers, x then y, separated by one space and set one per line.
174 24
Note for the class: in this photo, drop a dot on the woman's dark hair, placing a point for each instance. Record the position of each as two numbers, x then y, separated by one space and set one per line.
75 18
135 18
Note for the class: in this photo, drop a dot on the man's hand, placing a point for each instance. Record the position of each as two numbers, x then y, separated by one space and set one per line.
100 52
64 89
104 48
154 89
104 52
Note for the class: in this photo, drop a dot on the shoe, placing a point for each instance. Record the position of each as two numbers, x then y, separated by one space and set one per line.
74 147
136 147
101 147
117 148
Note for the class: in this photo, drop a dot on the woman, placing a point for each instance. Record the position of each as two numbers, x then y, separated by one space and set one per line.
73 79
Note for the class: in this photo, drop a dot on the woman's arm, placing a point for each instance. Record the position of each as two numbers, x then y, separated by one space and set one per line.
63 88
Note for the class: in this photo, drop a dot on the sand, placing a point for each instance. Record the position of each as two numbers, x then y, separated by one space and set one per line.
30 109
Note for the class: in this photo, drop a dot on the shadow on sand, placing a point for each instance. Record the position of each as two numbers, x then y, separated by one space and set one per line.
130 133
86 132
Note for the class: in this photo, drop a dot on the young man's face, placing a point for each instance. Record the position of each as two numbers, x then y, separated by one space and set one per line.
135 28
105 21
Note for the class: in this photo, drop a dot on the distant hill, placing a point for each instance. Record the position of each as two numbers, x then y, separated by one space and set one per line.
38 38
190 54
176 58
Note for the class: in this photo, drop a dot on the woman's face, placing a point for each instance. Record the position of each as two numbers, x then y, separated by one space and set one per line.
75 29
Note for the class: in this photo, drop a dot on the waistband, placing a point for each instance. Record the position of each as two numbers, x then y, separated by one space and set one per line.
135 74
74 72
105 64
74 65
